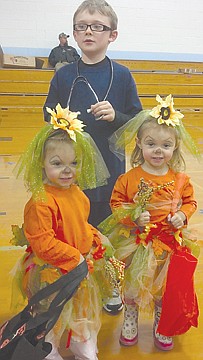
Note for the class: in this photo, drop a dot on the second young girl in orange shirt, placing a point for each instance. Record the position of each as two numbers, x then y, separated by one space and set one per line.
151 205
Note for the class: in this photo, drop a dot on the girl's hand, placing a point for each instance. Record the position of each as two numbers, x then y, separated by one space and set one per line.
143 219
90 266
103 110
177 220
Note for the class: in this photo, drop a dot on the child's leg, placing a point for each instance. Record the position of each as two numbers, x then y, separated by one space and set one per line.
86 350
161 342
129 332
54 354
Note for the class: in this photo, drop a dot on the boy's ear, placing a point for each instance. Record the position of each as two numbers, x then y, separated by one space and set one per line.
113 36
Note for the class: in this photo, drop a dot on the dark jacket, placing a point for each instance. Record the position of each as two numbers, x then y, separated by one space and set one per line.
122 95
63 54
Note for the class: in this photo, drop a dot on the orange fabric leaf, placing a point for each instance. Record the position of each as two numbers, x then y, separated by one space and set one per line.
49 275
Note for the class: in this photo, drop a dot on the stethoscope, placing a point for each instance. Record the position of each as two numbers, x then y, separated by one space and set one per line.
81 78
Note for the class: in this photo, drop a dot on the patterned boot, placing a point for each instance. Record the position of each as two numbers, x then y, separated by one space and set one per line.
162 342
129 332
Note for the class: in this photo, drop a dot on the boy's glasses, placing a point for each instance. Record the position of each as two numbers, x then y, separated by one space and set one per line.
93 27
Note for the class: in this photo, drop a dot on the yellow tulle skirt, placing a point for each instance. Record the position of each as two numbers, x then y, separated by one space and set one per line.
146 265
81 315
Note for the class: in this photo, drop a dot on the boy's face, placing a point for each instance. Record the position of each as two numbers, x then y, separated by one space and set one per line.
92 43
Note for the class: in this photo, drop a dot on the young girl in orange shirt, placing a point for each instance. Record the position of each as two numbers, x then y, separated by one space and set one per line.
151 206
60 161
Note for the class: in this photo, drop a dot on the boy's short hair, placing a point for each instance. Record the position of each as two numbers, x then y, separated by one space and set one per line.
102 7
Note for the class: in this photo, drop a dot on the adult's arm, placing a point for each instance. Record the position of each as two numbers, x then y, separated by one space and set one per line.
52 59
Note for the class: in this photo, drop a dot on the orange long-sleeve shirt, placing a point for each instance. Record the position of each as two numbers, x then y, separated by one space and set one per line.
58 230
162 201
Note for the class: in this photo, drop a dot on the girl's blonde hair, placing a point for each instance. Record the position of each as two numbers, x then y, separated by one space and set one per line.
91 170
177 162
102 7
58 135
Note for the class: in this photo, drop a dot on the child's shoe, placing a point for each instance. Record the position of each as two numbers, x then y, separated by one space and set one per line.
54 355
162 342
129 332
113 304
86 350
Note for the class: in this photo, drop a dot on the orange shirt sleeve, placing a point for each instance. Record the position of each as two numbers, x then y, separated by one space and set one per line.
96 237
38 226
189 204
119 197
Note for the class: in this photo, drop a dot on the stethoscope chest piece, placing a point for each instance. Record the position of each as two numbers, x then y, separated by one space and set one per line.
81 78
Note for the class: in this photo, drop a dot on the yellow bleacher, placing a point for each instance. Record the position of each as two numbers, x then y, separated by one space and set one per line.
23 92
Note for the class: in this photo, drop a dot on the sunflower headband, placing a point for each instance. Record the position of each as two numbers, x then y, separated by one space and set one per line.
91 170
165 113
66 120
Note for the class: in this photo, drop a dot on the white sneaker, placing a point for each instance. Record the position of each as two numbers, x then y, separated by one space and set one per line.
84 350
54 355
113 304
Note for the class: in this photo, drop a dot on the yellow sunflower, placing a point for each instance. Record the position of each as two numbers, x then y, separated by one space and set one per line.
66 120
165 112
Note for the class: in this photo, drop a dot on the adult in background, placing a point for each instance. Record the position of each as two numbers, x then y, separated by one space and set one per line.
63 54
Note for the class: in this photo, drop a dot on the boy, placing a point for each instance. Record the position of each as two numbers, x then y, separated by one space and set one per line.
103 91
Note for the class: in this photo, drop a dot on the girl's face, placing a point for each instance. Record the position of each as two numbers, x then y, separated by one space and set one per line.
60 165
157 144
93 44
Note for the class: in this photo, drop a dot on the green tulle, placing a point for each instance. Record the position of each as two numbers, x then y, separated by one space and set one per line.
91 170
192 245
129 210
125 134
188 141
31 162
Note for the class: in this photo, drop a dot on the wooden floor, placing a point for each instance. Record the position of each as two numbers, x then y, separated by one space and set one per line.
13 138
187 347
22 94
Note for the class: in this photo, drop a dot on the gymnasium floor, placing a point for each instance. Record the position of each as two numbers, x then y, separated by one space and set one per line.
187 347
